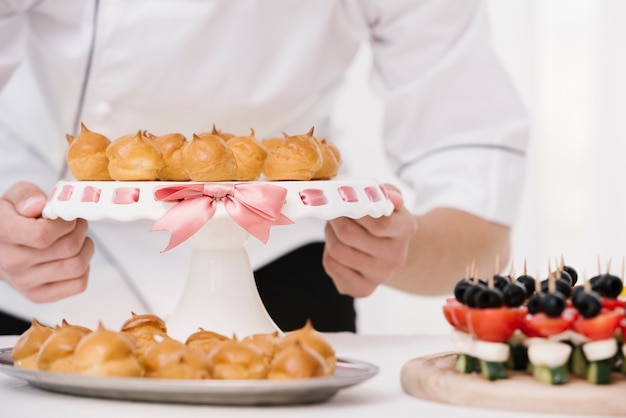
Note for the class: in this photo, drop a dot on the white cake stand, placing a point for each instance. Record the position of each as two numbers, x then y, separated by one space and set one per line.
220 293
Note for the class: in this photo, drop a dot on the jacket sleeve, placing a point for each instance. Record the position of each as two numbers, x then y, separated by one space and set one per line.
454 128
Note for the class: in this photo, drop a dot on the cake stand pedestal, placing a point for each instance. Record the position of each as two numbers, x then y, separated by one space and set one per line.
220 286
220 293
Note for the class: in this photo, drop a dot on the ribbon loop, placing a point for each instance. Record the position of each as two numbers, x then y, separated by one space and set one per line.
256 207
218 191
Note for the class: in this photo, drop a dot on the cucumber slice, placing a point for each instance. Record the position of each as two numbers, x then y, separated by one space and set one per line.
493 370
578 362
599 372
618 364
466 364
551 375
518 357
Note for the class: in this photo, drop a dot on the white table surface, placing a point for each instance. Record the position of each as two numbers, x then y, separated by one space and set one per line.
381 396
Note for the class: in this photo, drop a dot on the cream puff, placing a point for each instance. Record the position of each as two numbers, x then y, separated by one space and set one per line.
236 360
250 155
86 155
134 158
107 353
26 349
171 359
315 340
171 147
56 354
208 158
331 160
145 328
297 157
296 361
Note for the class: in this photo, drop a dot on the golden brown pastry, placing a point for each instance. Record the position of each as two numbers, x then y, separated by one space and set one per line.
265 343
298 157
296 361
171 359
86 155
250 155
331 160
142 348
224 135
65 324
273 142
313 339
134 158
26 349
144 327
56 354
208 158
236 360
107 353
205 341
171 146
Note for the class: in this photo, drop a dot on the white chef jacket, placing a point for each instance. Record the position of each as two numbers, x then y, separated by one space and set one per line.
454 130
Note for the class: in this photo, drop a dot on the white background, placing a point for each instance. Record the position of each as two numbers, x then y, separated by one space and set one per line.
567 59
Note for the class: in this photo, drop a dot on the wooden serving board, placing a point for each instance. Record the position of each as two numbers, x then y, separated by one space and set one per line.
434 378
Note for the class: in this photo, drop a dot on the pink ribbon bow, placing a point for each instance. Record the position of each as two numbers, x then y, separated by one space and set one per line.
254 206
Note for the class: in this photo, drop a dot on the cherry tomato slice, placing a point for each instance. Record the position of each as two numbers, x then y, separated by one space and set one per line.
447 313
541 325
599 327
494 324
455 313
610 303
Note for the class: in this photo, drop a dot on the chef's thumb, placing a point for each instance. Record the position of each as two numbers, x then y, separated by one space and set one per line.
28 199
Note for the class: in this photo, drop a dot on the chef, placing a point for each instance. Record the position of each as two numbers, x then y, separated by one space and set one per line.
454 133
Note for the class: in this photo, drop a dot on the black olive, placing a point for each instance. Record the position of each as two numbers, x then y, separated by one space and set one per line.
500 282
577 292
460 288
608 285
561 285
528 282
535 303
488 298
565 276
588 304
514 294
554 304
572 273
613 287
468 295
594 280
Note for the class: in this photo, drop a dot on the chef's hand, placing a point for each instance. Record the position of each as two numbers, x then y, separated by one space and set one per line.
45 260
360 254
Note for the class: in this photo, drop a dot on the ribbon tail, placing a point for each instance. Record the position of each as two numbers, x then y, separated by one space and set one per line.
282 220
185 219
255 222
261 229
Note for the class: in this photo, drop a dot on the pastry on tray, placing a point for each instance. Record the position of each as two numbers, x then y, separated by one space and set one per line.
207 157
86 155
143 348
